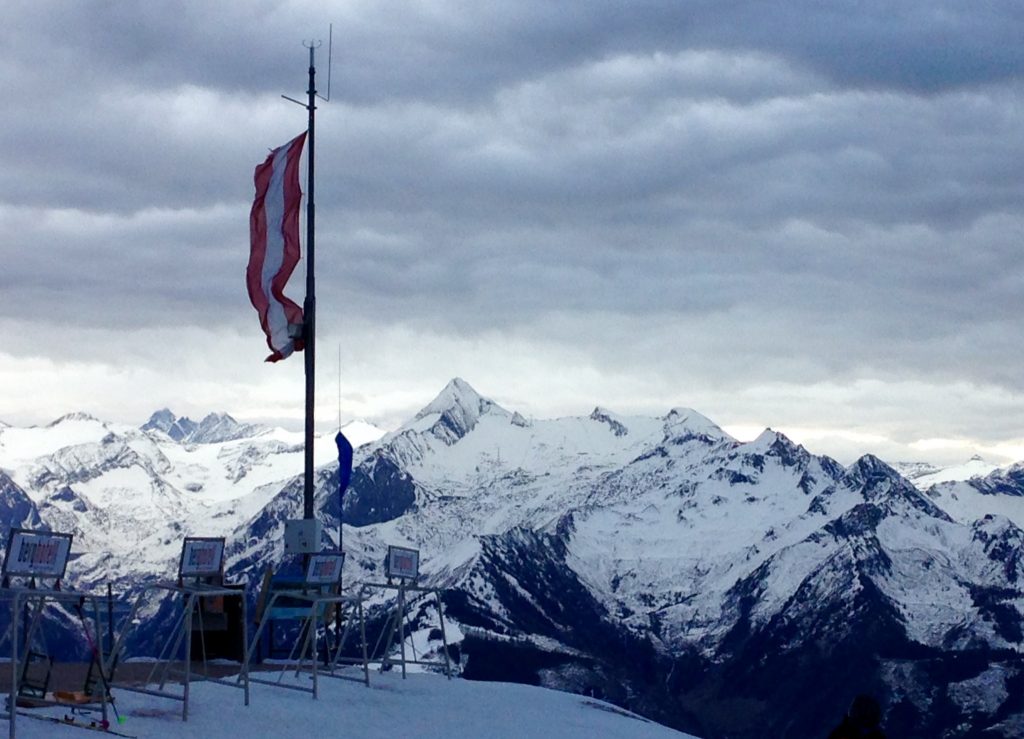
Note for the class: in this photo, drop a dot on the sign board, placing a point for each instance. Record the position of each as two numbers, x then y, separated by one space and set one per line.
37 553
302 536
402 562
201 557
324 568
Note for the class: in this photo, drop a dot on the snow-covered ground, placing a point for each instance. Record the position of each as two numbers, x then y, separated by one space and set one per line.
422 706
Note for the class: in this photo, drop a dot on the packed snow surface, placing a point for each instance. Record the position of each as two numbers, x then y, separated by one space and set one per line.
422 706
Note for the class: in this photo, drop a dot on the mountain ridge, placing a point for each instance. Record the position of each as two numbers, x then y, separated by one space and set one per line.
656 561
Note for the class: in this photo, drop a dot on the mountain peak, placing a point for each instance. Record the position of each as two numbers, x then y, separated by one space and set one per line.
76 416
219 427
686 423
880 483
162 419
458 408
766 438
872 474
179 429
871 466
457 392
605 416
215 427
777 444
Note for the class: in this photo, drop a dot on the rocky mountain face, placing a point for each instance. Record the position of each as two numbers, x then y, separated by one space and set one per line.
1009 481
17 510
730 589
215 427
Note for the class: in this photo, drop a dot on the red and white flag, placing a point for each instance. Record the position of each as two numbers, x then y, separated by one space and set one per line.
274 247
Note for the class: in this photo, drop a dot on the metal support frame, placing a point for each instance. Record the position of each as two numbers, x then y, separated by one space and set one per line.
396 625
22 596
192 594
338 659
304 655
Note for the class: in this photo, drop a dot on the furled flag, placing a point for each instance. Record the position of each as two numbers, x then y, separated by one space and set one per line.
344 478
344 464
274 247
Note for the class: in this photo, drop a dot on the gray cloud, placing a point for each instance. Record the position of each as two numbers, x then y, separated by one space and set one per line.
447 50
772 210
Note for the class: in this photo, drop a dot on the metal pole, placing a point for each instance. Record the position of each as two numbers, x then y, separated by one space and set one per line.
189 610
362 635
444 637
401 622
12 699
309 307
104 682
341 509
315 647
110 619
245 646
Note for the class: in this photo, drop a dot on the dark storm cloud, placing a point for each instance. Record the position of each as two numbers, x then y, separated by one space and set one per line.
431 50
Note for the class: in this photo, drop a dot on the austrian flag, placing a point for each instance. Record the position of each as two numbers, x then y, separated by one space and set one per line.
274 247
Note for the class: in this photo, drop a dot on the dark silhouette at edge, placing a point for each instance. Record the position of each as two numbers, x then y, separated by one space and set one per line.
862 721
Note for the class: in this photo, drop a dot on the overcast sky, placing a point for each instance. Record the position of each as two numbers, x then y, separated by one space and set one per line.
801 215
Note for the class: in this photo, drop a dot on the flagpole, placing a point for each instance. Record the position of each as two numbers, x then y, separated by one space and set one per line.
309 306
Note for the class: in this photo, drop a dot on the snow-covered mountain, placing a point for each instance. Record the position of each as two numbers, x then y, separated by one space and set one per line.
673 569
924 475
659 563
130 494
999 493
213 428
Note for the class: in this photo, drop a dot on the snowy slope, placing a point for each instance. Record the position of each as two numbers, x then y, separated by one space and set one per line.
422 706
999 493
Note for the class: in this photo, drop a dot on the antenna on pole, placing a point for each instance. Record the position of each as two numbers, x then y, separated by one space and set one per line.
330 48
311 45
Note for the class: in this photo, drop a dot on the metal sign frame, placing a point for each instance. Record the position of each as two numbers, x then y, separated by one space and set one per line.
192 547
50 549
395 628
42 555
325 568
402 563
304 655
177 647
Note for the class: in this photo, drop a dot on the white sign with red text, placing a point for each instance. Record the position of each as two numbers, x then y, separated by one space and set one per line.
37 553
201 557
402 562
324 568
